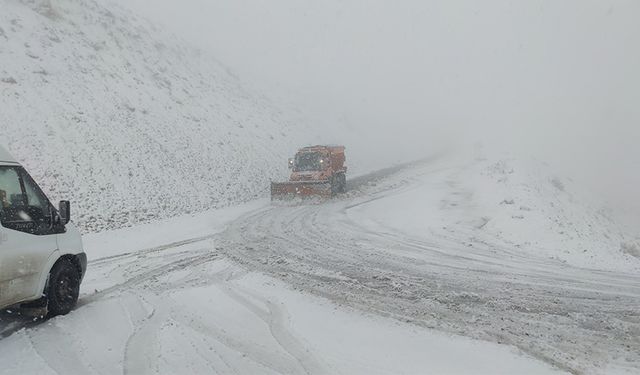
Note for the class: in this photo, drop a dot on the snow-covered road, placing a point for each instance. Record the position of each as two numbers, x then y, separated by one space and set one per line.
180 306
329 287
577 319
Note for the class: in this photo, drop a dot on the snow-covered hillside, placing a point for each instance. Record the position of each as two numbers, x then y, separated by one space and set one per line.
513 202
126 121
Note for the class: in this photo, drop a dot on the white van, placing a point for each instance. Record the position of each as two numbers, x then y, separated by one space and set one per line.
42 261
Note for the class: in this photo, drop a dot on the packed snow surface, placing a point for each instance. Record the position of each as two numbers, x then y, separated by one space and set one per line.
128 122
181 306
436 244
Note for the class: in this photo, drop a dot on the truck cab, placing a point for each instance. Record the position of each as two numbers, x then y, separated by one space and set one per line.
42 261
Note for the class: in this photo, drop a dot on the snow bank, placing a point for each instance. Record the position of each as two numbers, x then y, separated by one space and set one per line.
126 121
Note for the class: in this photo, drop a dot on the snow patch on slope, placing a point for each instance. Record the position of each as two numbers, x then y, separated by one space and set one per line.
551 215
126 121
518 203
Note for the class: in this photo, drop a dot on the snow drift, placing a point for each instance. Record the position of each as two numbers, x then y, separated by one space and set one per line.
126 121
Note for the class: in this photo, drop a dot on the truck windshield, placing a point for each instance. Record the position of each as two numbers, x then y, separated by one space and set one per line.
309 161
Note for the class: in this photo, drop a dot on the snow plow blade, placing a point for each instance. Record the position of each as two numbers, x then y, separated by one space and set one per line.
291 190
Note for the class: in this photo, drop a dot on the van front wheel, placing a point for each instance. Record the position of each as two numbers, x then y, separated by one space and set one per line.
63 288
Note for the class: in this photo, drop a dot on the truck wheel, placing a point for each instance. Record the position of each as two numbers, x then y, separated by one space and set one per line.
343 183
63 288
335 185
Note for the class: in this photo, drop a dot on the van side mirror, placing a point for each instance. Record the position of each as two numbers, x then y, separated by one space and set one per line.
291 163
65 211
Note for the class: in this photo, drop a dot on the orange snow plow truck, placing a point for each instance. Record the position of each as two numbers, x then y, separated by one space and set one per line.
317 171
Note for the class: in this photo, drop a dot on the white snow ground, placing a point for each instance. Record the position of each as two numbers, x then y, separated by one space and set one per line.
128 122
434 245
181 306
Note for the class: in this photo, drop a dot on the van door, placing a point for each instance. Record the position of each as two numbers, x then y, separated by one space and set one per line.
27 236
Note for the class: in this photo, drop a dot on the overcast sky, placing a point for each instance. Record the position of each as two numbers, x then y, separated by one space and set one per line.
560 79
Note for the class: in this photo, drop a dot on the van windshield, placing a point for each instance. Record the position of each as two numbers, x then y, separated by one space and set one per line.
309 161
23 206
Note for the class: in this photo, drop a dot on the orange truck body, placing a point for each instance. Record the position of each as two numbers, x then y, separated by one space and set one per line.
316 171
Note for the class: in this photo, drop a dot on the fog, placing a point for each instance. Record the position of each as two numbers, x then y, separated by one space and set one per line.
559 80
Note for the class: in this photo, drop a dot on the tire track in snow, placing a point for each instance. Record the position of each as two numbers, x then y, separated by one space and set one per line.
276 319
142 350
296 360
157 249
11 323
184 262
